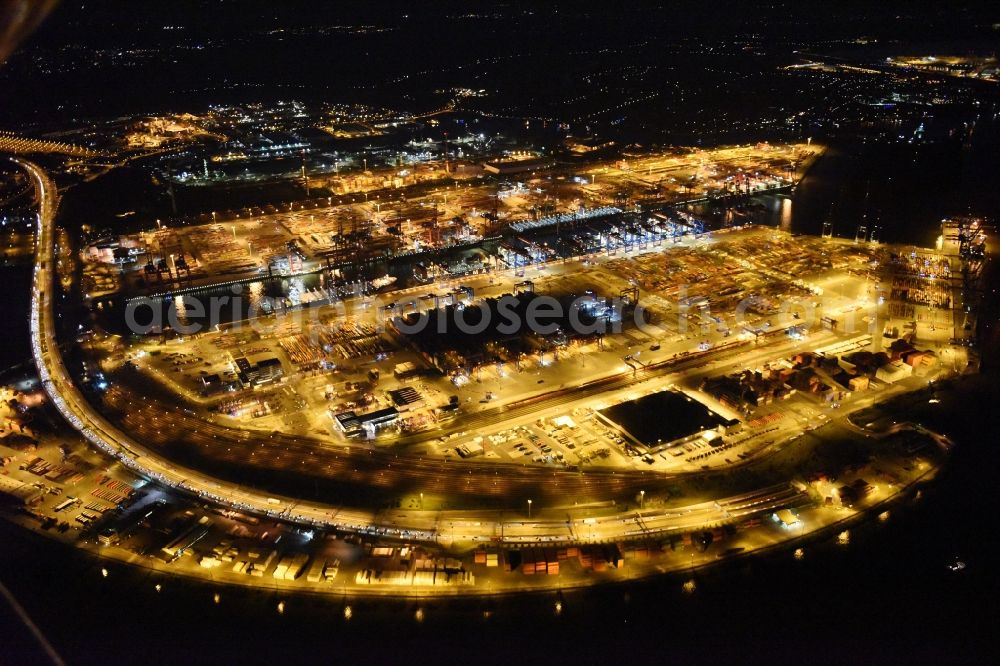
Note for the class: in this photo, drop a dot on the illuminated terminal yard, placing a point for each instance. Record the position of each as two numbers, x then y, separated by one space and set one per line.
348 348
545 332
318 437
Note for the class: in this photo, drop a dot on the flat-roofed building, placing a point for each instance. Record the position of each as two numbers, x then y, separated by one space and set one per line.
19 492
354 424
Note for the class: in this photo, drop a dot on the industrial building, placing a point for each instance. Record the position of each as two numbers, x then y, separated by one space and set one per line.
353 424
263 372
18 492
682 419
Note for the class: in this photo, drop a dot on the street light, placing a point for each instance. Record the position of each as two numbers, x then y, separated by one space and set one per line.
642 496
529 509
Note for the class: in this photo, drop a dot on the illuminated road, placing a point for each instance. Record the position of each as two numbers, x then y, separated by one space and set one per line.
464 526
11 143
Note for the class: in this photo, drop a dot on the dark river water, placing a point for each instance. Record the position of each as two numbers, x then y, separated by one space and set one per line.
904 189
